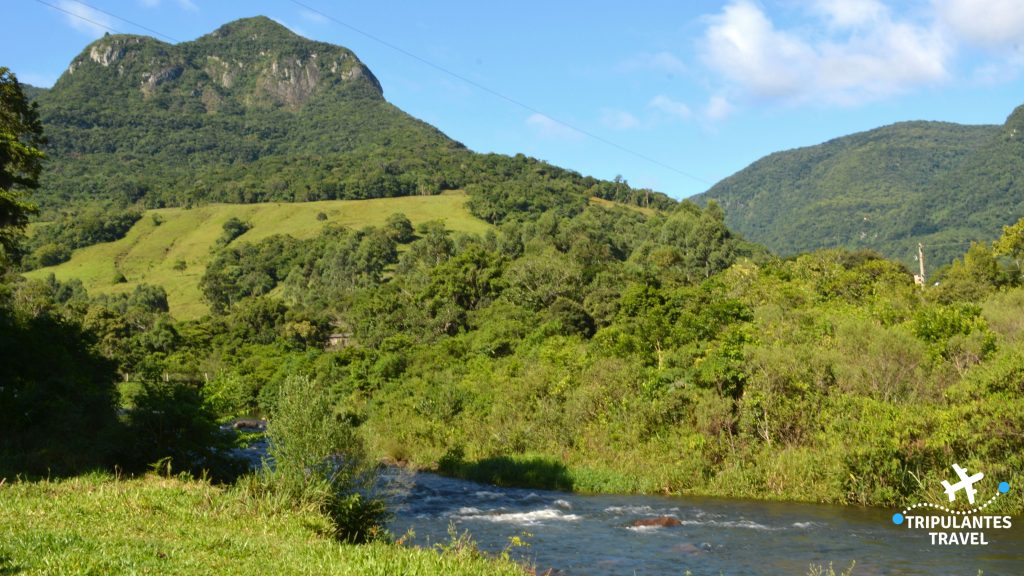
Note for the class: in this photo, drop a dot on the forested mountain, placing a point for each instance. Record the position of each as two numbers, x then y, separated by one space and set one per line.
252 112
885 189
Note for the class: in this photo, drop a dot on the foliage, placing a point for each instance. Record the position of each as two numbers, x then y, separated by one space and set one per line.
57 394
175 254
53 242
317 459
21 140
233 228
885 189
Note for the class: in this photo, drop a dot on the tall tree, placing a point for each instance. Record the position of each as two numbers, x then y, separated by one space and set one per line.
21 136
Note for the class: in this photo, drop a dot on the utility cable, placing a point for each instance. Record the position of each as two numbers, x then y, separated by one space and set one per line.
80 17
500 95
125 20
408 54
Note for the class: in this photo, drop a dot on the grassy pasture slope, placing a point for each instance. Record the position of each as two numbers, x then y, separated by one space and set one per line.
148 253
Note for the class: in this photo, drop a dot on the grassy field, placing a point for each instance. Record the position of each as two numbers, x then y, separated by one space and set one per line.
95 524
595 201
149 252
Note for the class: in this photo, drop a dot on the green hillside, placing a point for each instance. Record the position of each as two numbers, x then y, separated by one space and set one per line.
885 189
255 113
151 253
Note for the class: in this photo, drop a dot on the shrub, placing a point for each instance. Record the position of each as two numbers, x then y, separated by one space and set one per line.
318 460
170 425
233 228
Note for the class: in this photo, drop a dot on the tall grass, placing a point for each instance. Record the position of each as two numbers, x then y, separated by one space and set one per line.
99 524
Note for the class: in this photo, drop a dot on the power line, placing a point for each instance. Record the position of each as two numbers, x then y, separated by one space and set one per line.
80 17
136 24
409 54
498 94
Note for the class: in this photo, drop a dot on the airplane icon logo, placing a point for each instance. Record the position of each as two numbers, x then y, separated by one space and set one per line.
966 484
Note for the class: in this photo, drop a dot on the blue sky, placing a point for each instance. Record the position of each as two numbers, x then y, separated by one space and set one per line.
687 93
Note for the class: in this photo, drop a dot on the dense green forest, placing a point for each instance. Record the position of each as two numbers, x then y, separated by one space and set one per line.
941 184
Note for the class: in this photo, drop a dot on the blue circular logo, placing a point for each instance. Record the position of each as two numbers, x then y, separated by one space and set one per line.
1004 487
897 518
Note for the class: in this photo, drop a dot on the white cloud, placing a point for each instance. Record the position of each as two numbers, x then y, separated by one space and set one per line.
546 127
85 19
987 23
671 107
878 56
718 108
743 45
661 61
619 119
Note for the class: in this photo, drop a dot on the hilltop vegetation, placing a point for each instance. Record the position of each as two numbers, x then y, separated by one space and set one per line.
942 184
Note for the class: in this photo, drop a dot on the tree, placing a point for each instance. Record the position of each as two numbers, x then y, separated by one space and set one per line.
21 136
1011 244
399 227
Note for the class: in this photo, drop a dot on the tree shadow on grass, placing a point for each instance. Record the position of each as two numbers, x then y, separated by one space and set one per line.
517 471
7 566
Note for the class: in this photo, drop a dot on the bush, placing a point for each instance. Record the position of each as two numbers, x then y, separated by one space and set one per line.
171 425
233 228
318 460
399 228
50 255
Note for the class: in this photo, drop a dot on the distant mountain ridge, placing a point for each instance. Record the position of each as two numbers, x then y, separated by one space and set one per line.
253 112
885 189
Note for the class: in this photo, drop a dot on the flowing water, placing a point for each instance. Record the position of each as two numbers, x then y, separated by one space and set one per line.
582 534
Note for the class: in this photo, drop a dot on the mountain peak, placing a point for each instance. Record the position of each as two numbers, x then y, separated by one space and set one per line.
251 62
253 28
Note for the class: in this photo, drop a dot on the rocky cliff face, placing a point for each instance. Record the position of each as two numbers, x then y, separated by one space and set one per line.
254 62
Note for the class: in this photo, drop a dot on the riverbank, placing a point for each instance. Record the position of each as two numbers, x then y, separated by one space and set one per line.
796 476
98 524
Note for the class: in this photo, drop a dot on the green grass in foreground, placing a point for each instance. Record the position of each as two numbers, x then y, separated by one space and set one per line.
150 253
95 524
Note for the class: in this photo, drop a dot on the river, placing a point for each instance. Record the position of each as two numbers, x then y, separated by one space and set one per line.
590 534
575 534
